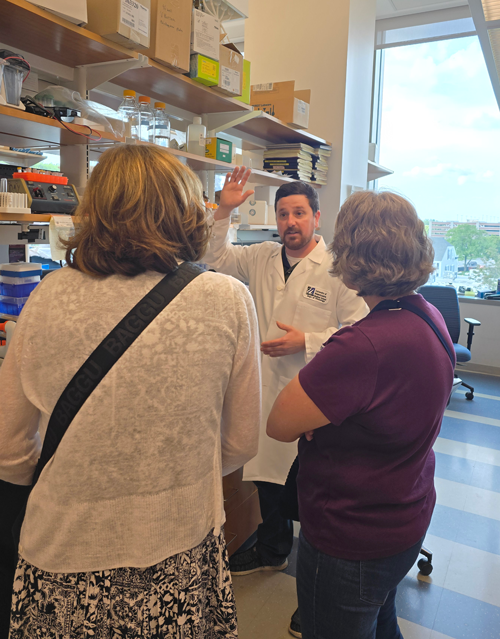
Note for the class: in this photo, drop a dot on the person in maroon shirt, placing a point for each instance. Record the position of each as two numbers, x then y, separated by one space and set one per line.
368 409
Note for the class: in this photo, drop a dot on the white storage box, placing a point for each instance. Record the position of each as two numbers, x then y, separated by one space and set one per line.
256 210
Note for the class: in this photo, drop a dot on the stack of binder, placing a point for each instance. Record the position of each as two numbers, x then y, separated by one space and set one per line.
298 161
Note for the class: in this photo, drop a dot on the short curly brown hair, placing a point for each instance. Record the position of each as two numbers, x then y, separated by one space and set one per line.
380 246
142 211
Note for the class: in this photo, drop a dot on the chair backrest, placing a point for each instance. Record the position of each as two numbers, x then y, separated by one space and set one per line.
445 299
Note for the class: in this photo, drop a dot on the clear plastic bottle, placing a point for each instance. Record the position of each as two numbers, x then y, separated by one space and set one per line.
129 113
161 132
196 135
146 116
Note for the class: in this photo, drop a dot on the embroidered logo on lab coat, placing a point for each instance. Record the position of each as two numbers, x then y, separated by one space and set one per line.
314 293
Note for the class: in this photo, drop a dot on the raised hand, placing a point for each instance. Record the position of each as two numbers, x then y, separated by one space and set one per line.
232 194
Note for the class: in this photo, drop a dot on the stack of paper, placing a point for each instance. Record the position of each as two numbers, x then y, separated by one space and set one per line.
320 164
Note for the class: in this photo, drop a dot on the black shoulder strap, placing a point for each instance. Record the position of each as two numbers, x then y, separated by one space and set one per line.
108 353
396 305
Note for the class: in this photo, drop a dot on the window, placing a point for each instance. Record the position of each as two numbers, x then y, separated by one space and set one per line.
439 130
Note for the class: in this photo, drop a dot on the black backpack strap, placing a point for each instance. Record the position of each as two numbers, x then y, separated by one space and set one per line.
108 353
396 305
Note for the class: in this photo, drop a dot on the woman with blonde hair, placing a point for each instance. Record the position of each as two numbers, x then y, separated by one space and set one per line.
122 535
367 410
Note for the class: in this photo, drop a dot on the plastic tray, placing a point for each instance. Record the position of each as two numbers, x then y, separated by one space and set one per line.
17 290
12 305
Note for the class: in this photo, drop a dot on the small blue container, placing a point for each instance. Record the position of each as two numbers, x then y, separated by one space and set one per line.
12 305
17 290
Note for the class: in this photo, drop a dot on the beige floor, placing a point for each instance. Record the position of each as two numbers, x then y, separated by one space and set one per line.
265 602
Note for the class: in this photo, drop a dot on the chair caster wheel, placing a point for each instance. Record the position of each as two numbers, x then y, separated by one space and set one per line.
469 396
425 567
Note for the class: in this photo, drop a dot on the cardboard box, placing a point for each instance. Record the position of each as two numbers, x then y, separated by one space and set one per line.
218 149
230 71
126 22
204 70
170 41
245 88
73 10
256 210
205 34
282 101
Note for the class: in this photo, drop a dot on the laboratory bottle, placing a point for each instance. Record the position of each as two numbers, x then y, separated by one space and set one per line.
129 114
196 135
146 116
161 131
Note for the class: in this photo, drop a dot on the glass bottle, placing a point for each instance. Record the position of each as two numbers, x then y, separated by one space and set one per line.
129 113
161 130
146 117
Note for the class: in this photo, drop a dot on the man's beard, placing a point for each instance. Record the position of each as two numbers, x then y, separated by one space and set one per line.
297 242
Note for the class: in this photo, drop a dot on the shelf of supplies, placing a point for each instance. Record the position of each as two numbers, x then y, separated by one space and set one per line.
258 176
25 217
167 85
21 129
20 157
24 26
264 127
376 171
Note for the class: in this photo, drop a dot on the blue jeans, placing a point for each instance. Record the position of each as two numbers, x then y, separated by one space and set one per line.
345 599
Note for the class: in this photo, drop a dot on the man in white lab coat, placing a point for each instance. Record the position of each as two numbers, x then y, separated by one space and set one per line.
299 306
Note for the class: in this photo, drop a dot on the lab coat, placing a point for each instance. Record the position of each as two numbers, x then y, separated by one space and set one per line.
311 300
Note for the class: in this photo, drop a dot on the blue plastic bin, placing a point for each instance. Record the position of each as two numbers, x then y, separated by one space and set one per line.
12 305
17 290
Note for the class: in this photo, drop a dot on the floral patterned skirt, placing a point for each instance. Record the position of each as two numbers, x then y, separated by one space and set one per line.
187 596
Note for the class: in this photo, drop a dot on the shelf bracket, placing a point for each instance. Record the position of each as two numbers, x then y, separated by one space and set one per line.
218 122
103 71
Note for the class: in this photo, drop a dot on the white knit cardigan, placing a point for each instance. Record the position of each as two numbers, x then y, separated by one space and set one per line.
138 475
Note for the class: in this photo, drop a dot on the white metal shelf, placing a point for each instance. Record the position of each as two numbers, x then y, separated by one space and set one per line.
376 171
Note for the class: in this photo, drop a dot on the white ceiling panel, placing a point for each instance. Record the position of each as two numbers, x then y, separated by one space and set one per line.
388 8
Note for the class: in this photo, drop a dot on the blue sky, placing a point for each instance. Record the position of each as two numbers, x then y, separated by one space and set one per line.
441 130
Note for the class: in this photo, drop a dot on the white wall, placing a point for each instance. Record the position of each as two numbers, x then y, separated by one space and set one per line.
486 343
326 46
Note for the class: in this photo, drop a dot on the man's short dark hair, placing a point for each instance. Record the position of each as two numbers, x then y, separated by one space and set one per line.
298 188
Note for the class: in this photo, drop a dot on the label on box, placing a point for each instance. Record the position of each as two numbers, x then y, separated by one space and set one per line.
263 87
208 68
223 147
60 227
205 32
135 16
301 107
230 80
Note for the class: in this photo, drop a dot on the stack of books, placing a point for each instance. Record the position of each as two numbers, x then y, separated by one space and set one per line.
293 160
298 161
320 164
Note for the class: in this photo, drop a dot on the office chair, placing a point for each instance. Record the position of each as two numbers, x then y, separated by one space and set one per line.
445 299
